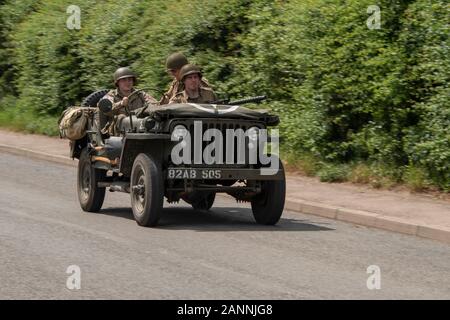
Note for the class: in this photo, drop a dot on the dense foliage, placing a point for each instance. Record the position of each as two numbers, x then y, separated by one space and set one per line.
345 93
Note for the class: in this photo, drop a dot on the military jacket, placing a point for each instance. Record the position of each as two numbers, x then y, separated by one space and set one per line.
177 87
206 95
137 101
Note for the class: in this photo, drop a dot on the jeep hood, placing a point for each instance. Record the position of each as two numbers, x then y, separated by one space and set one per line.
193 110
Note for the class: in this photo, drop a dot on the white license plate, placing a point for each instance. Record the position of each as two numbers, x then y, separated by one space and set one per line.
194 174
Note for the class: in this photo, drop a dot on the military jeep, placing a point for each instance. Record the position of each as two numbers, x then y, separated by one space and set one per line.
153 159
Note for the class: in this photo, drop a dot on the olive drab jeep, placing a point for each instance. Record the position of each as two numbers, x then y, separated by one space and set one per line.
179 152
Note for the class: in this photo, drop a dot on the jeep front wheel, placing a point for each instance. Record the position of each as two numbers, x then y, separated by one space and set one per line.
268 205
147 192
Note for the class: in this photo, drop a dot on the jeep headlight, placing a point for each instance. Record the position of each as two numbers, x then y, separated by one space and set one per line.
148 123
179 132
252 133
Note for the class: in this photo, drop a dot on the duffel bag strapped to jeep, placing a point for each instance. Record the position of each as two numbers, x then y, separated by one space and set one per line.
73 123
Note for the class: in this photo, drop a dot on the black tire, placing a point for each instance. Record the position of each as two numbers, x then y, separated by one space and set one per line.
205 203
90 196
147 190
92 99
268 205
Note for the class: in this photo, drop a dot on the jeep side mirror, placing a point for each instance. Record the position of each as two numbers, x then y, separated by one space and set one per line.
105 105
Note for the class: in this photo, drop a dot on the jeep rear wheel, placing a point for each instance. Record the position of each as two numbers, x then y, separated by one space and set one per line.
205 202
268 205
147 191
91 197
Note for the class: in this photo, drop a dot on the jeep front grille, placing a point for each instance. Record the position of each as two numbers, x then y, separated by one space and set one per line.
221 125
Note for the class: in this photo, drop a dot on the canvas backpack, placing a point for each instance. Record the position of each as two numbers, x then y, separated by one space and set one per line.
73 123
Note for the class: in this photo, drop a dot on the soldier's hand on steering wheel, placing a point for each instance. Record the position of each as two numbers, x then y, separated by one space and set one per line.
125 102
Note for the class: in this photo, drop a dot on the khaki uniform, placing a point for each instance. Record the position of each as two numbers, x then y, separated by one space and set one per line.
206 95
118 112
177 87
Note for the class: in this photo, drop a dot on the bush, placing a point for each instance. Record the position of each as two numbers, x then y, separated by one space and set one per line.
333 173
361 173
415 178
344 93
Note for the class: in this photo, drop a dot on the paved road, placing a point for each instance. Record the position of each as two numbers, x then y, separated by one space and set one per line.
194 255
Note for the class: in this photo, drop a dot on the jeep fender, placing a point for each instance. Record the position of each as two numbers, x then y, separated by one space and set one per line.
136 143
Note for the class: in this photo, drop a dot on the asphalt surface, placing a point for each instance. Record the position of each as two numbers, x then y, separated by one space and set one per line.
221 254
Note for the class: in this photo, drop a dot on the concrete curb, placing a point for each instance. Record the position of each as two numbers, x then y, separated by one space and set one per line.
38 155
364 218
368 219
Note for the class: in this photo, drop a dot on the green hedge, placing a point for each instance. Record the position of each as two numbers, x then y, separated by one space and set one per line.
345 94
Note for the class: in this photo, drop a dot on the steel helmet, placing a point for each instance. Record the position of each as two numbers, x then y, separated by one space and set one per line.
176 61
189 69
124 72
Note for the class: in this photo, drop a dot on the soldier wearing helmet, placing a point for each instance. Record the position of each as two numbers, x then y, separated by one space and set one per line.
194 92
174 63
124 80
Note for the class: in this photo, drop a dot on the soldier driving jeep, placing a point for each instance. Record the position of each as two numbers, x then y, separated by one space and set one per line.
123 97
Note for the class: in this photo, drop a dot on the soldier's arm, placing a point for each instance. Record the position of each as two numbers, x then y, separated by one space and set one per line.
116 106
175 99
165 99
149 99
